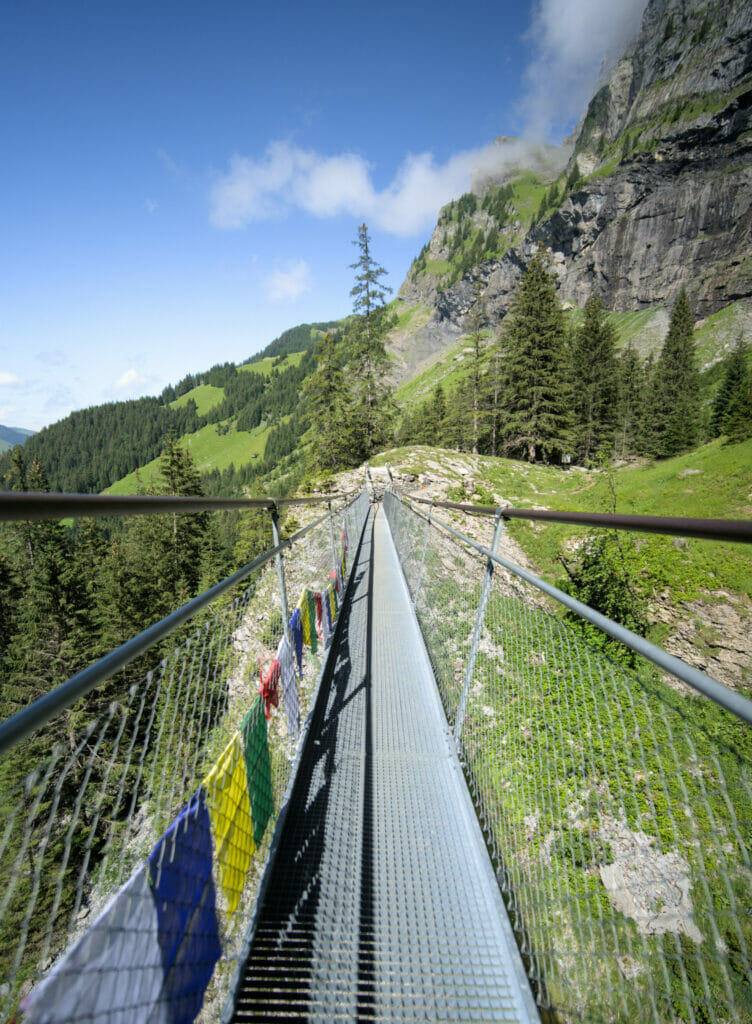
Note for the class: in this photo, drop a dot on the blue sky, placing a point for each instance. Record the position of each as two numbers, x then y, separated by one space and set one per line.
180 182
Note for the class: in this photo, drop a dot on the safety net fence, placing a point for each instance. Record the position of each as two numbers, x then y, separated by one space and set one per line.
616 802
134 825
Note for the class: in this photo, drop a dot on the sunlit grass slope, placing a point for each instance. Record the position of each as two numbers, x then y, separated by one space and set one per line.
206 396
210 451
265 366
713 481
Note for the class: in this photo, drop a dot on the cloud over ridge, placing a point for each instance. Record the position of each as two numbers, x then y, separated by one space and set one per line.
571 41
288 177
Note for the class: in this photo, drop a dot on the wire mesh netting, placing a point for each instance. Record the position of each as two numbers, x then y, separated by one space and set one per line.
134 795
617 806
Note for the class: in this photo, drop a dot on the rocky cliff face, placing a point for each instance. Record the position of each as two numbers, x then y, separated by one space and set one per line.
665 201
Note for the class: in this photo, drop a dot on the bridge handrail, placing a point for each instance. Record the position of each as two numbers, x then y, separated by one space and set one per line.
33 505
730 700
736 530
29 719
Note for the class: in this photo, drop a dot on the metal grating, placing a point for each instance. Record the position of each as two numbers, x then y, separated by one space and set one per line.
381 902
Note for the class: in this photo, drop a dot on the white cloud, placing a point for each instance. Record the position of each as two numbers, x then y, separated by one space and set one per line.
287 177
284 285
130 379
6 378
571 40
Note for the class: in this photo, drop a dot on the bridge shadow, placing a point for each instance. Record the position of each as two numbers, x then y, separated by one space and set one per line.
288 959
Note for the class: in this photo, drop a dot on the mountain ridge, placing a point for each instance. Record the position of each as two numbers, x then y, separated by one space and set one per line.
11 436
655 197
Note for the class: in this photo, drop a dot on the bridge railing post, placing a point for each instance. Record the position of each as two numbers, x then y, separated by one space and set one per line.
281 576
477 631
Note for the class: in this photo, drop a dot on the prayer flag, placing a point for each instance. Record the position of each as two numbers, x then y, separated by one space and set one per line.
269 688
258 767
114 973
228 801
297 638
180 869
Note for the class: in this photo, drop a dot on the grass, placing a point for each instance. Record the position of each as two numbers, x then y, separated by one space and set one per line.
717 486
527 192
265 366
447 369
438 267
720 331
412 318
206 396
210 451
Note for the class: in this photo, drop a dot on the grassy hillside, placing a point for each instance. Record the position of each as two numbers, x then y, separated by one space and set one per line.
644 329
11 436
269 363
206 396
713 481
210 450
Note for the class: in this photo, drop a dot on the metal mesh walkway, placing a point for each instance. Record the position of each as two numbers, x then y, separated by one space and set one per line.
381 901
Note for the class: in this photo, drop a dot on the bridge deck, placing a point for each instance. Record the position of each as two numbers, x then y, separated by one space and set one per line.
381 901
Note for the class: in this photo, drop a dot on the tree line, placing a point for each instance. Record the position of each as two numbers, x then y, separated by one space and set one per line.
548 391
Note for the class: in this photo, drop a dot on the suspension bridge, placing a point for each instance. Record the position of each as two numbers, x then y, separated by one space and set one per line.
420 796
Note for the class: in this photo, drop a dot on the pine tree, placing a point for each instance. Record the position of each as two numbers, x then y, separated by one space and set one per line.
595 381
437 416
325 393
631 380
536 407
676 392
732 414
372 406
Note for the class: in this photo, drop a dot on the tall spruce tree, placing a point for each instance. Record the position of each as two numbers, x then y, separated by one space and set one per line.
372 398
325 393
732 409
595 392
536 423
631 380
675 405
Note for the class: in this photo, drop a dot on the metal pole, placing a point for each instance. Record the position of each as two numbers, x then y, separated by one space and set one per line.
472 656
423 558
281 578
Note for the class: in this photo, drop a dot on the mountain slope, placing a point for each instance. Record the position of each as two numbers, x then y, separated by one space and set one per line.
11 436
656 195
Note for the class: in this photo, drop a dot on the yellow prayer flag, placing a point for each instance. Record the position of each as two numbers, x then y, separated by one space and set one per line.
227 800
305 618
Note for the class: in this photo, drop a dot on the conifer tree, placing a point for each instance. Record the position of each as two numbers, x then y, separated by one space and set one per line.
325 393
595 381
437 416
372 405
536 408
675 405
631 381
732 408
